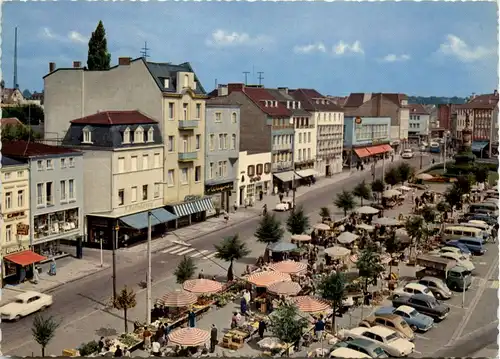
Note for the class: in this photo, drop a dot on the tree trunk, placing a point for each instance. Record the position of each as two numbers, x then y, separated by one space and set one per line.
43 351
126 321
390 268
333 319
366 284
345 212
361 201
230 275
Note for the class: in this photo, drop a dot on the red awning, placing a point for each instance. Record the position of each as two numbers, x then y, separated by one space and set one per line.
25 258
387 148
362 152
375 150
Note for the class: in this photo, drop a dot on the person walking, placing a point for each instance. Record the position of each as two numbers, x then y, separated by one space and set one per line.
118 352
192 318
213 338
146 335
262 328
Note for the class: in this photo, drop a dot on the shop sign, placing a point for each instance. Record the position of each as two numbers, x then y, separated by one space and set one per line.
192 197
358 121
14 215
22 229
138 207
216 188
14 249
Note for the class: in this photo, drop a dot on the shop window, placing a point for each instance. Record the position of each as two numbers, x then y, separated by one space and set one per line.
54 223
145 192
251 170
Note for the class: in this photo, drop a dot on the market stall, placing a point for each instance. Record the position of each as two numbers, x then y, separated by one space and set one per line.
289 267
284 288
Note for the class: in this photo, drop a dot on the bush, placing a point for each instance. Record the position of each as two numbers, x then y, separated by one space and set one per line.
87 349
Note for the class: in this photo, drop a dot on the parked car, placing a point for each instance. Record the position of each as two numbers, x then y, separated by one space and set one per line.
478 216
387 339
416 320
407 154
424 304
411 288
391 321
463 248
364 346
285 205
461 260
25 304
475 245
344 352
437 287
449 249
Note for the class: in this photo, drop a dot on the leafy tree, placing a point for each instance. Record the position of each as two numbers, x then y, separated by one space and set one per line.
405 172
392 176
481 174
27 114
428 214
453 197
442 207
333 289
44 330
393 246
324 213
231 249
345 201
362 191
297 222
368 265
185 270
124 301
269 230
415 228
464 184
19 132
378 187
287 324
99 58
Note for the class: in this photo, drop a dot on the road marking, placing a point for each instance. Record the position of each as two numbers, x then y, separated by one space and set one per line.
211 255
171 248
176 250
494 284
186 251
202 252
417 352
456 306
422 337
483 263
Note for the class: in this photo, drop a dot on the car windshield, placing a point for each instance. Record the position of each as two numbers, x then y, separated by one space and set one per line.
379 351
403 324
433 303
391 337
426 290
413 313
19 301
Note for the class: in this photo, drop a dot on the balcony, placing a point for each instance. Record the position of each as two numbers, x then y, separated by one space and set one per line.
282 166
188 124
282 147
188 156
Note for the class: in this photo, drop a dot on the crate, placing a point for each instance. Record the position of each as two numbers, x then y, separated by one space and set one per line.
226 341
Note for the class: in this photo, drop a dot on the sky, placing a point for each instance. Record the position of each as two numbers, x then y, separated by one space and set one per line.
417 48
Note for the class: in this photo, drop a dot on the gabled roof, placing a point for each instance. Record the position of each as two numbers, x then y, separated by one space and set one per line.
166 70
357 99
260 95
284 98
115 118
10 121
417 109
25 149
486 101
314 101
7 161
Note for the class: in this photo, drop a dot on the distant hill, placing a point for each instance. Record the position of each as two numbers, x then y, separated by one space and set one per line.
435 100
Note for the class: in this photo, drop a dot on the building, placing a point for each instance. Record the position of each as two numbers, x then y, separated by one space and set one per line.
254 176
123 176
329 121
366 138
419 124
222 138
393 105
12 97
444 115
170 93
56 194
15 209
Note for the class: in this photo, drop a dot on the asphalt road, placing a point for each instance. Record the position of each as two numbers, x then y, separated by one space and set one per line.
80 299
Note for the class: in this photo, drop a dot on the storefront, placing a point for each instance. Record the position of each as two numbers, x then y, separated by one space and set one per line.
286 181
367 154
221 194
480 148
18 263
193 209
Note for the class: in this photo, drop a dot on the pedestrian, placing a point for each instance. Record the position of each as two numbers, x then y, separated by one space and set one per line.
126 353
191 318
261 195
155 349
243 306
281 197
213 338
118 352
101 344
262 328
319 328
234 320
146 335
201 275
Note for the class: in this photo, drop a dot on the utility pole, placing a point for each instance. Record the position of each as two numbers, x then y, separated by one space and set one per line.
444 154
144 50
115 244
246 76
260 77
421 158
15 85
148 281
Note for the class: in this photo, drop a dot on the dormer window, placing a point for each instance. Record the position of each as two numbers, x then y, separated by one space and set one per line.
186 81
126 135
150 134
288 104
298 104
275 103
322 102
317 102
293 104
265 103
139 135
194 85
87 135
166 83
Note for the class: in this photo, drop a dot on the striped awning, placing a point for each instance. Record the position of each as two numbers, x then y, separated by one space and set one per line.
188 208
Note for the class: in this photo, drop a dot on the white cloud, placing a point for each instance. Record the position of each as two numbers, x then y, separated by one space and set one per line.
72 36
222 38
455 46
75 36
395 58
343 48
307 49
46 32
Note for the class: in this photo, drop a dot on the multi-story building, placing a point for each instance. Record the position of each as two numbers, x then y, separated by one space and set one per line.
222 139
391 105
329 121
418 127
15 209
56 194
254 177
164 91
123 176
366 138
444 115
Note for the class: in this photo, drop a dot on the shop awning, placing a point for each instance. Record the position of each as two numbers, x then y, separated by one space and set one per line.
25 258
361 152
387 148
140 220
478 146
376 150
285 176
306 173
197 206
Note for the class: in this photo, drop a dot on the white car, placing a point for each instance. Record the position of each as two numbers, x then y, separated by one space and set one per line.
411 289
386 338
461 260
285 205
25 304
407 154
348 353
447 249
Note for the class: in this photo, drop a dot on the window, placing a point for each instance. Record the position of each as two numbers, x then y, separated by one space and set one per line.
156 192
226 141
39 165
212 142
166 83
133 195
121 197
39 194
171 143
309 137
71 162
218 117
171 178
185 111
139 135
62 189
63 162
186 80
20 174
71 185
197 174
133 163
8 200
267 168
145 192
224 168
48 193
126 135
220 170
121 164
7 175
171 112
233 141
308 153
234 119
211 169
157 160
198 111
198 142
260 169
151 132
184 175
87 135
221 141
251 170
8 233
145 162
300 137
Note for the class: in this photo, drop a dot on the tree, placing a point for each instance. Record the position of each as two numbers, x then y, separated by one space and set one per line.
185 270
269 230
405 172
442 207
19 132
464 184
44 330
414 226
297 222
345 201
428 214
124 301
378 187
362 191
324 213
368 265
333 289
453 197
27 114
393 246
481 173
287 324
392 176
231 249
99 58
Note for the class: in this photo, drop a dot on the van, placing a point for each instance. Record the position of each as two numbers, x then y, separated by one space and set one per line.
475 245
484 205
459 278
484 228
456 232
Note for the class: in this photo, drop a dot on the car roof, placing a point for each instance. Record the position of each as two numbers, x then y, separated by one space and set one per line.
380 330
406 309
453 255
415 286
424 297
390 316
431 279
363 343
27 295
450 248
358 330
348 353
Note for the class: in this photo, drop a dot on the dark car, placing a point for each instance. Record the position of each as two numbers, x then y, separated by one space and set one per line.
478 217
424 304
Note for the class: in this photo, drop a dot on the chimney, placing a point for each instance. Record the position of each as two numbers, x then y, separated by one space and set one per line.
495 93
283 90
124 61
235 87
52 66
77 64
222 90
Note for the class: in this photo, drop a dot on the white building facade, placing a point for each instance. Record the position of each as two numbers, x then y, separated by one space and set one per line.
254 176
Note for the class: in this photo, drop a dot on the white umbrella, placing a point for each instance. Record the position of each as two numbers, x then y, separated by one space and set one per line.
270 343
391 193
385 221
425 176
365 227
404 188
367 210
347 237
403 235
301 237
322 227
337 251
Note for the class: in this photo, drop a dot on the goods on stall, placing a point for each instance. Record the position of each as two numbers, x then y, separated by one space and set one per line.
204 299
87 349
221 299
70 353
130 340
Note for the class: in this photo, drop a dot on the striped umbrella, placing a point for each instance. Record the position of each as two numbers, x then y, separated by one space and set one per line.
189 337
202 286
308 304
178 299
290 267
265 279
301 237
285 288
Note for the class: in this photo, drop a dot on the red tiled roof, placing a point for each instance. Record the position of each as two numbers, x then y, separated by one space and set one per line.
356 99
115 118
260 95
417 109
486 101
10 121
309 97
26 149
